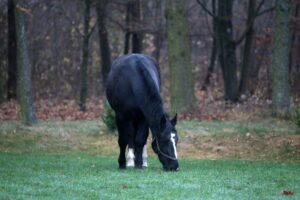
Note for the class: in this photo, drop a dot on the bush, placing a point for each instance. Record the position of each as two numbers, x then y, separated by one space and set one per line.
296 116
109 116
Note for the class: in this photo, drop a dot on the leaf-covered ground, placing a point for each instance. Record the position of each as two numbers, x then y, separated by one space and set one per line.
263 140
211 107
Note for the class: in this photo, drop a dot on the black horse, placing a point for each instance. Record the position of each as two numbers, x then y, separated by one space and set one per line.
133 91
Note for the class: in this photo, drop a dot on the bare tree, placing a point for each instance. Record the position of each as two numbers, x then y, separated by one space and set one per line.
103 38
133 34
85 55
227 44
12 52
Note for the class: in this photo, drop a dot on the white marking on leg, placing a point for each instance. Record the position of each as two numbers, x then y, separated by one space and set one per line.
130 158
145 156
173 142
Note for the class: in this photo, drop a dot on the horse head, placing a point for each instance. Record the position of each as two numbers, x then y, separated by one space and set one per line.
164 143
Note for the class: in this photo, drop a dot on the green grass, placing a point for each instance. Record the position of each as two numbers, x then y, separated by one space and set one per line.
78 160
82 176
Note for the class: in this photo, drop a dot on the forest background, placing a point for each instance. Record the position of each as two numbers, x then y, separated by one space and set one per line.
230 53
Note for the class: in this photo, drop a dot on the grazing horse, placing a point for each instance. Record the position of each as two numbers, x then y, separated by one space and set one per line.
133 91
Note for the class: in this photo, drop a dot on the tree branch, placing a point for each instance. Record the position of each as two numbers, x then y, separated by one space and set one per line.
265 11
62 10
203 6
257 13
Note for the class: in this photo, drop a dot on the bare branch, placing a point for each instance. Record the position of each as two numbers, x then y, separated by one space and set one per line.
69 19
91 31
257 13
265 11
203 6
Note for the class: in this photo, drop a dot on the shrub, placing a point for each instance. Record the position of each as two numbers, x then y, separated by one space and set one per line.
296 116
109 116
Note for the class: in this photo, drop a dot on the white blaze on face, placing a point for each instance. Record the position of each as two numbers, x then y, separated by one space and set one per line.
174 144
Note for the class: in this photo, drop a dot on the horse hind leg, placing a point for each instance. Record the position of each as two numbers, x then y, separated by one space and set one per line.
124 128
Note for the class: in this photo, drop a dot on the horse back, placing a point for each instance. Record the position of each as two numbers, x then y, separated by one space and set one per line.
133 83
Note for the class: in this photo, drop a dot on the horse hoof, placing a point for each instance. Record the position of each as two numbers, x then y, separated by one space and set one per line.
130 163
145 164
122 167
138 167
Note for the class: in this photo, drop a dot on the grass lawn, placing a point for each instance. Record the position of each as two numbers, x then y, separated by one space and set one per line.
82 176
78 160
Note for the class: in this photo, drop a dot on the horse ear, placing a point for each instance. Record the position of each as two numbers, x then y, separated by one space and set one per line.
174 120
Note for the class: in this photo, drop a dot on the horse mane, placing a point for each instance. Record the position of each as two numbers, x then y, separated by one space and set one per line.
151 102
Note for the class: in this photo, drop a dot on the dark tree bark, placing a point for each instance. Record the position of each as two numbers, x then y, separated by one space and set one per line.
12 52
226 45
280 68
137 36
133 19
293 38
127 33
28 115
103 39
213 54
179 57
85 56
227 49
159 33
247 53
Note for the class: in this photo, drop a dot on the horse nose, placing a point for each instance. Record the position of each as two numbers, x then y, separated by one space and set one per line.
174 168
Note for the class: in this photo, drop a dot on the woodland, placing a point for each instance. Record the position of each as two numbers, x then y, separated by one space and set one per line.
229 68
217 58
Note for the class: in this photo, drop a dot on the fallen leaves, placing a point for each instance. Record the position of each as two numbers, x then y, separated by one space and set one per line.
65 110
287 193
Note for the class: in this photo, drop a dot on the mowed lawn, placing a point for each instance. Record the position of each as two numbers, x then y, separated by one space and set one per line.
32 167
81 176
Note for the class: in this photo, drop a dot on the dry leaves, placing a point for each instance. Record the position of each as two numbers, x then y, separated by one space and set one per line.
51 110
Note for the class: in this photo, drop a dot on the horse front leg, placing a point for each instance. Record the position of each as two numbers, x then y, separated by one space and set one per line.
122 160
130 157
145 156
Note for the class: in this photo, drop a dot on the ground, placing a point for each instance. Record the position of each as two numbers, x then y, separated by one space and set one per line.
226 151
265 140
218 160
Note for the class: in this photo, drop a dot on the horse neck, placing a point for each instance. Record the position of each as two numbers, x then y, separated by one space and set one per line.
153 114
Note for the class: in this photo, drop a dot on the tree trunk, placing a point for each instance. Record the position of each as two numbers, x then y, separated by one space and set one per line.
12 52
214 52
103 38
247 53
28 115
85 56
181 81
127 33
227 49
133 18
280 70
159 32
137 36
